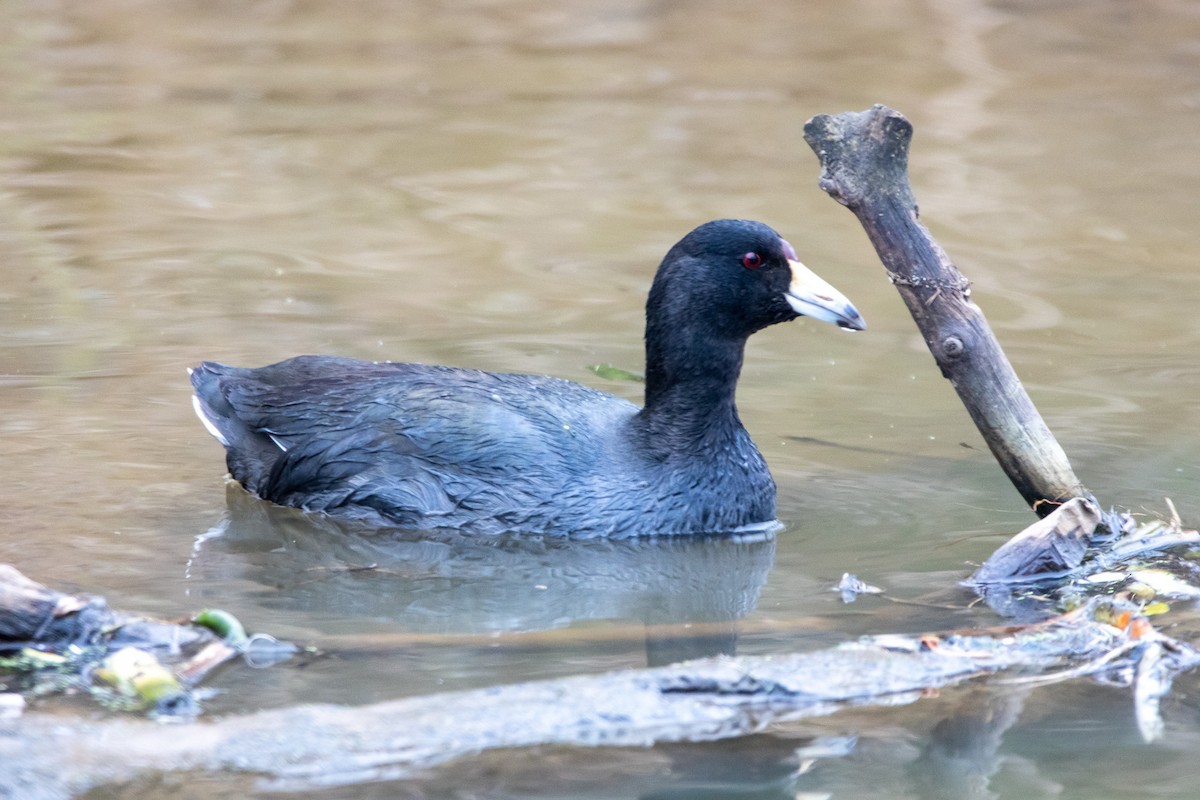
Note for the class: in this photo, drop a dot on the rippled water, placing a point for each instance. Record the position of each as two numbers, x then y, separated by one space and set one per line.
491 185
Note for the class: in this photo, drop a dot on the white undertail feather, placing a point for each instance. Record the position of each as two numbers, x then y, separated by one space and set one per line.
208 424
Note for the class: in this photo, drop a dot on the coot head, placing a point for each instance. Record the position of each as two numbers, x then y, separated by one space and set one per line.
718 285
735 277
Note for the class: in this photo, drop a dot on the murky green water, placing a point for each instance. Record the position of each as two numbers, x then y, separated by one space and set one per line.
491 185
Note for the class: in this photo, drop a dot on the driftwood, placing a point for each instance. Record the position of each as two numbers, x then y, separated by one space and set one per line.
311 746
35 612
864 166
1051 547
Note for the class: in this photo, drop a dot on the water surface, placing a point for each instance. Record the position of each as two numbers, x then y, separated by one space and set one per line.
491 185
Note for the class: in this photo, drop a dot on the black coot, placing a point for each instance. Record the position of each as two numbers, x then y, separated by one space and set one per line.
440 447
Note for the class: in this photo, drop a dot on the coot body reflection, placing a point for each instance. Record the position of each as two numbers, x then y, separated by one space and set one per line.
429 446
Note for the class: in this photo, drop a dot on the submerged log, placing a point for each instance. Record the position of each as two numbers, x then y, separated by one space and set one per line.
864 166
314 746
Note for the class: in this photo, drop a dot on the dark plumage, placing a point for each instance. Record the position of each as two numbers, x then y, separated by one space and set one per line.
426 446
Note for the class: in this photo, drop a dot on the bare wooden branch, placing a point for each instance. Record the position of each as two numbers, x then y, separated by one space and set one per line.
1052 546
313 746
864 166
32 612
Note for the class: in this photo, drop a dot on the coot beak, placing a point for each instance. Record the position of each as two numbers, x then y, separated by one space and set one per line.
811 296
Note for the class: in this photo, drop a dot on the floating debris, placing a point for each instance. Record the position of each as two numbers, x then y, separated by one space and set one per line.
611 373
53 642
1163 583
851 587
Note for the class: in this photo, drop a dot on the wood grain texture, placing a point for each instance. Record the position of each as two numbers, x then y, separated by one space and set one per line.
864 166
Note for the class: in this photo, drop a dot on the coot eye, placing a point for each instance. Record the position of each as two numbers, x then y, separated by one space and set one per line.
752 261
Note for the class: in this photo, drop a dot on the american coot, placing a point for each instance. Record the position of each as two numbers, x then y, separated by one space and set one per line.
439 447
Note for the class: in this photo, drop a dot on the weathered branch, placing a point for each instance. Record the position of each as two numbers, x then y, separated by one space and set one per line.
864 166
312 746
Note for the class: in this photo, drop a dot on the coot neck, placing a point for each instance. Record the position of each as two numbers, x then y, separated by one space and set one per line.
691 377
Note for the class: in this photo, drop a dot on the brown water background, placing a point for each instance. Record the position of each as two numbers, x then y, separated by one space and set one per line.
491 184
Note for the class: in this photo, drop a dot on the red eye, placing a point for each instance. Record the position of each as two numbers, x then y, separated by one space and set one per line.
752 261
